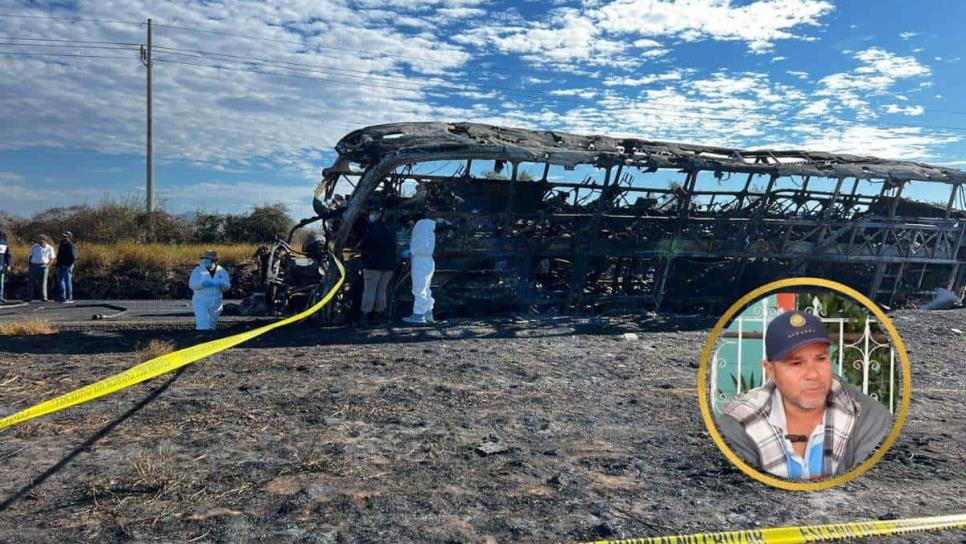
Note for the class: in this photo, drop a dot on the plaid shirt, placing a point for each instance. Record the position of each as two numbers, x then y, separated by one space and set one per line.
753 407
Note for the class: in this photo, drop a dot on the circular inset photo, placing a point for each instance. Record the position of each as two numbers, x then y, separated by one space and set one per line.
804 384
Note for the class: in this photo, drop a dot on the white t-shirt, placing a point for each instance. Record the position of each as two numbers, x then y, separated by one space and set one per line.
41 254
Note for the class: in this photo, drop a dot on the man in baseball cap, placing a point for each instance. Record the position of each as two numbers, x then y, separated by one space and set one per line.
804 423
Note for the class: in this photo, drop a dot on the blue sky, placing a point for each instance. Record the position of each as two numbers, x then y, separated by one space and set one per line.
871 77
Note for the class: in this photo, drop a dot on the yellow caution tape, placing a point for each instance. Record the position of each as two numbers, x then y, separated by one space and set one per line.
161 365
811 533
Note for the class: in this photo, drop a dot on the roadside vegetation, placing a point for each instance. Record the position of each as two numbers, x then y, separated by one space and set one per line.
127 253
27 328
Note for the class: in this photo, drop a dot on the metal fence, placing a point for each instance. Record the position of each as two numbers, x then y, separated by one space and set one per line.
860 353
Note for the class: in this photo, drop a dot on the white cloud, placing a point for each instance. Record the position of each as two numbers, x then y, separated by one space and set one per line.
646 43
6 177
759 23
224 117
798 74
877 74
908 35
595 33
893 143
905 110
883 62
674 75
582 93
815 109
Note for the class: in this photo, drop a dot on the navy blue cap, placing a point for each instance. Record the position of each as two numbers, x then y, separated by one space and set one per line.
792 330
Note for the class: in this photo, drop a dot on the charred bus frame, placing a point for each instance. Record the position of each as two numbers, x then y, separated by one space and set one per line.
530 238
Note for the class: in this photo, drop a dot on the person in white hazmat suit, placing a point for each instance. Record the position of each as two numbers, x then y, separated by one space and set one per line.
209 283
421 247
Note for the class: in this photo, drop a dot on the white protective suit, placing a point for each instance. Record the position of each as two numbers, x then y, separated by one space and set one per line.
421 247
207 298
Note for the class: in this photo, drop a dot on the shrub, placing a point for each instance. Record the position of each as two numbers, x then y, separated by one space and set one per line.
27 328
112 221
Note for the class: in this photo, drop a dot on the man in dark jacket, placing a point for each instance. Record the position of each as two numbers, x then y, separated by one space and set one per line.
805 423
66 257
378 247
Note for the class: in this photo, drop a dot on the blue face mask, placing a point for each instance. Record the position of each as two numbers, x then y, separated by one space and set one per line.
373 217
206 263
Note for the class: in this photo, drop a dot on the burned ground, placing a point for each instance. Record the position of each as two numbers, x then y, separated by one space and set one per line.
551 430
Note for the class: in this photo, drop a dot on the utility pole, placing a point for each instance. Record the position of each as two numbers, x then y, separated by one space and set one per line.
146 60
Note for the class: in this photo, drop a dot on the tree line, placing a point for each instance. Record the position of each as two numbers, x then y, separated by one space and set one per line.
113 221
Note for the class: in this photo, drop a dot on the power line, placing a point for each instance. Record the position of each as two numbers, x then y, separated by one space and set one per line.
296 66
357 83
765 118
418 85
82 46
22 54
466 88
234 69
407 58
410 58
65 40
652 105
302 43
83 19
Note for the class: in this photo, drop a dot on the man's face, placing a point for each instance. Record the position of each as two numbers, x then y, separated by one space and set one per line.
804 377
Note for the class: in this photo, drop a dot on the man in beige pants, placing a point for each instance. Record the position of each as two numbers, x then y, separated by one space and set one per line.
378 263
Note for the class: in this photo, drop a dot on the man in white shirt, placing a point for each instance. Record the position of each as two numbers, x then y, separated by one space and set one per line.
5 262
41 257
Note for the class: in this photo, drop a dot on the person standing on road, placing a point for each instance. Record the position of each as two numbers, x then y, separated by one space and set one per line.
66 257
378 249
6 260
38 268
209 283
421 247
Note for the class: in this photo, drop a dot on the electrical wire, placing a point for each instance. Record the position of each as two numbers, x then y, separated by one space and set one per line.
64 40
307 68
407 58
107 47
22 54
418 86
59 18
410 58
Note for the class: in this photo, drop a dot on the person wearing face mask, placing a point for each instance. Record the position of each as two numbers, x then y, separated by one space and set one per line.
209 283
378 247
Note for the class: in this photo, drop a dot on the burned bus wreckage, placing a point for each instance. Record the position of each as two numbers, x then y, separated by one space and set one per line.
550 222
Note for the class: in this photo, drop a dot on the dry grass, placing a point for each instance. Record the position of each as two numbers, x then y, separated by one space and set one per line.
135 256
101 259
136 270
34 327
155 348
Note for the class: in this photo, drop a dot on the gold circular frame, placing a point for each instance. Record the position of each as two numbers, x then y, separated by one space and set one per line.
772 480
